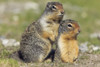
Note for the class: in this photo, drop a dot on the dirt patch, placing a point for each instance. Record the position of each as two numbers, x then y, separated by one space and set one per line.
84 60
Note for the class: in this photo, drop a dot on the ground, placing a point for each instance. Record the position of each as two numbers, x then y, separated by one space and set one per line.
16 15
84 60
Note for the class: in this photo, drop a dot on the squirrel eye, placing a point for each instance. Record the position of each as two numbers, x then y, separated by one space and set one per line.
54 7
69 25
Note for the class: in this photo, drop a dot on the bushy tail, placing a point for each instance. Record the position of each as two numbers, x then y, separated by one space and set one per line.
15 55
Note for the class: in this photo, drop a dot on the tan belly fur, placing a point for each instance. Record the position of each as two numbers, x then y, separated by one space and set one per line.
68 49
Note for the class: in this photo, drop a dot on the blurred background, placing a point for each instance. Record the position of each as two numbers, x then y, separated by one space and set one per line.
16 15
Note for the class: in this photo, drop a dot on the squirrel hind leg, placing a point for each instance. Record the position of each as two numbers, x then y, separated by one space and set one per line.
26 60
50 55
41 58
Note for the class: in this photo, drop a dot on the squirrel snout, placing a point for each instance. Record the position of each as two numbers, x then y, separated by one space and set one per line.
62 12
79 31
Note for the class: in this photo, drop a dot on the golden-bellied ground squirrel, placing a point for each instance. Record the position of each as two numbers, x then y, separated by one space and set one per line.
67 44
36 41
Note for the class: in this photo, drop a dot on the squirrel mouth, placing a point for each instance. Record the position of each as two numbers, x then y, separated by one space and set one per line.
78 32
61 15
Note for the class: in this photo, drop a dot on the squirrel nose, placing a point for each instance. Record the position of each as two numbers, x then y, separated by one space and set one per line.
78 31
62 12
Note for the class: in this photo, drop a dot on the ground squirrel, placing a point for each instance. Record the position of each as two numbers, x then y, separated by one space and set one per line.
67 44
36 41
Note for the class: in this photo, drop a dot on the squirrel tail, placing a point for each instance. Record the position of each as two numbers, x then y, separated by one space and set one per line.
15 55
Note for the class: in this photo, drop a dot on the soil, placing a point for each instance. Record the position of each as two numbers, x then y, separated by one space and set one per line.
84 60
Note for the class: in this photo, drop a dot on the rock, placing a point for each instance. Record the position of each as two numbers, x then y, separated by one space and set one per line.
17 44
9 42
83 47
94 48
5 41
95 35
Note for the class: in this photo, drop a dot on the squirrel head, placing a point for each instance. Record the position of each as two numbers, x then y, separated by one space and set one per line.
54 10
69 27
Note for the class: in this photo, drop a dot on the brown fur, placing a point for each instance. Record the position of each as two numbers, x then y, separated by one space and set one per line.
52 33
69 49
67 44
36 41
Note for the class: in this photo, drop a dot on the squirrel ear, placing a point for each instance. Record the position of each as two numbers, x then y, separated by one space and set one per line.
61 23
48 4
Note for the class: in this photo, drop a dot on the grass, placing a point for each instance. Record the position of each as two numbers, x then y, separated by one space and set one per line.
8 63
25 19
5 61
87 15
86 18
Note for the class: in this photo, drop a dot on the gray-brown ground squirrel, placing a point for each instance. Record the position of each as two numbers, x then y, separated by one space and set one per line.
36 41
67 44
